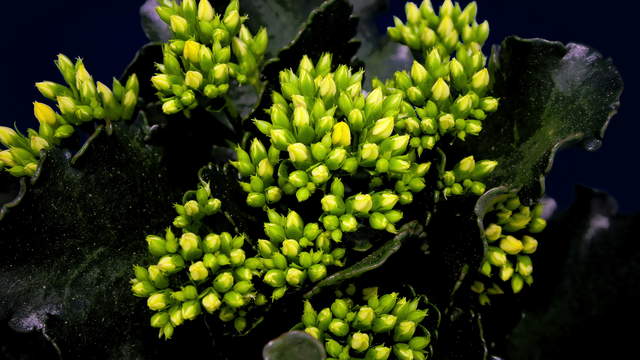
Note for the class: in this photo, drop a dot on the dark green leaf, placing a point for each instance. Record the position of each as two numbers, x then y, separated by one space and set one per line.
69 244
282 18
551 95
154 28
461 337
294 345
372 261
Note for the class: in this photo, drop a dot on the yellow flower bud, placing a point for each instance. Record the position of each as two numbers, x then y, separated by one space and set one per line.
341 134
44 113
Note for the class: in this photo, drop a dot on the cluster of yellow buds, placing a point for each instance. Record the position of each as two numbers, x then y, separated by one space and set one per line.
206 51
509 226
321 127
466 176
387 327
82 100
446 94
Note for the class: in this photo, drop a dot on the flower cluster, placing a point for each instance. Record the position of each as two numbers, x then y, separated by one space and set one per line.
217 272
445 31
82 100
466 177
509 229
206 51
324 130
289 257
385 328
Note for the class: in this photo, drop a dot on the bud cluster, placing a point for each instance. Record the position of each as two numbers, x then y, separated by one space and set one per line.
509 229
387 327
295 252
445 31
220 268
206 51
321 127
447 94
466 177
80 101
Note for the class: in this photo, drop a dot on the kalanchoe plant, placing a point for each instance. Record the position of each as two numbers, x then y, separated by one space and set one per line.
430 177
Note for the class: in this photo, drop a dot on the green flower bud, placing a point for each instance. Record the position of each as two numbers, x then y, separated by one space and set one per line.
506 272
440 90
282 138
189 244
314 331
330 222
384 323
369 153
336 158
350 165
290 248
295 277
156 245
517 283
364 318
237 257
298 178
299 154
158 301
524 265
348 223
280 261
419 74
378 221
382 129
309 315
511 245
480 80
496 256
403 351
256 199
227 314
482 169
537 225
334 349
211 303
338 327
529 244
340 308
359 342
362 203
44 113
294 225
317 272
493 232
233 299
191 310
171 107
142 288
404 331
198 271
332 204
274 278
171 263
378 353
399 165
373 103
223 282
159 320
489 104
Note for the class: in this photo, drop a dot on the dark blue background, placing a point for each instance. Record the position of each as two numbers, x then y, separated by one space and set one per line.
107 34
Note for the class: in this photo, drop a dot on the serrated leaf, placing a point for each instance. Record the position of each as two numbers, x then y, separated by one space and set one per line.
551 95
294 345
